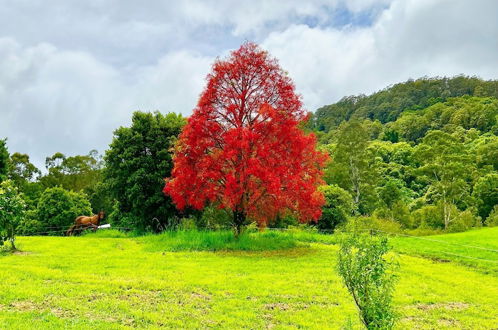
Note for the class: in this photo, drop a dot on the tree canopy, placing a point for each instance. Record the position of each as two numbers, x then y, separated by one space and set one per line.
243 150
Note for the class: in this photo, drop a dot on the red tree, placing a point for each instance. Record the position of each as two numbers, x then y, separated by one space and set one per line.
242 148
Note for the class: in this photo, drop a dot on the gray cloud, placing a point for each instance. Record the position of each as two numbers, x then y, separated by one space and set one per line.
72 72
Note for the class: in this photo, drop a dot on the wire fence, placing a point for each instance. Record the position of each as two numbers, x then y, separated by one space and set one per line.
61 231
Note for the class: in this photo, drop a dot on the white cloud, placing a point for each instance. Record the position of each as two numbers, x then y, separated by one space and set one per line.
53 100
71 73
411 39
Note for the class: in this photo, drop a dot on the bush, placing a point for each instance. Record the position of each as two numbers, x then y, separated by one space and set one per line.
214 218
12 208
464 221
338 207
373 223
58 208
369 278
492 219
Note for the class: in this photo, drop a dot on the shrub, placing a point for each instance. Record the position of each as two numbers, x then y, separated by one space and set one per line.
428 216
338 207
12 208
463 221
58 208
373 223
214 218
369 278
492 219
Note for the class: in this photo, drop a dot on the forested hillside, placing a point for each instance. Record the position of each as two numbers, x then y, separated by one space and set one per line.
418 155
387 104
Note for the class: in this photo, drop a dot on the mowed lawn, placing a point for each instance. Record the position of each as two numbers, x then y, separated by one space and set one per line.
95 282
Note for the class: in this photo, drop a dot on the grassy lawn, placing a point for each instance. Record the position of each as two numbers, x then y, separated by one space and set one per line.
476 248
101 282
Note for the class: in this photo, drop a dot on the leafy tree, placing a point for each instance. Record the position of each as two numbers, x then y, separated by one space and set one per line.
22 170
12 210
58 208
352 167
337 208
446 165
487 153
492 219
24 175
75 173
243 149
369 277
4 160
138 159
486 192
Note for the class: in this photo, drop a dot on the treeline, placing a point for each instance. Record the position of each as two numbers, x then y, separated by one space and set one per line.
126 183
434 168
388 104
417 156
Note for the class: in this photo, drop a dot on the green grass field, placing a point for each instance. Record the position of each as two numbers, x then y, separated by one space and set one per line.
111 281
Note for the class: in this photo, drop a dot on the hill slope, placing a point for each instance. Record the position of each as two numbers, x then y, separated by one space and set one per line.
387 104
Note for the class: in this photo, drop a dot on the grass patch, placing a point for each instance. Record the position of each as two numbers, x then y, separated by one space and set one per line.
106 233
91 282
194 240
475 248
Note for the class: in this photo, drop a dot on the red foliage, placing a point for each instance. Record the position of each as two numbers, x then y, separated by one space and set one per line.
242 148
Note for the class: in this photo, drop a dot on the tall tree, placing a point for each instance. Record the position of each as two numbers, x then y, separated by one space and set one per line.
242 148
446 164
22 170
76 173
138 159
4 160
352 167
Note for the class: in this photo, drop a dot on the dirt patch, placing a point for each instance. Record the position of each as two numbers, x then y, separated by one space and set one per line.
26 306
277 306
21 253
201 295
448 323
445 306
439 260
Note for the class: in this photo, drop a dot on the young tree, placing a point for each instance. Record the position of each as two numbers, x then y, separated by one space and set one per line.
138 159
369 277
12 209
242 148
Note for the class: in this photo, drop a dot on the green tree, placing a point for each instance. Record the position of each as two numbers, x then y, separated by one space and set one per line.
138 160
369 277
352 167
58 208
77 173
487 153
446 164
24 175
12 210
4 160
338 207
486 193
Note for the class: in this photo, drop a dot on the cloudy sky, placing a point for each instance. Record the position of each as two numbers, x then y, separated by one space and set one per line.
73 71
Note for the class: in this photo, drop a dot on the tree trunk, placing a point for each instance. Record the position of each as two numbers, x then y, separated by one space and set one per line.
239 219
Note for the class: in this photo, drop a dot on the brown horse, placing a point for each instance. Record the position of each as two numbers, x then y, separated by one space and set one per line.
84 222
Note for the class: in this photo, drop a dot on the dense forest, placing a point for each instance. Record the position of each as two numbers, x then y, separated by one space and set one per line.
420 156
